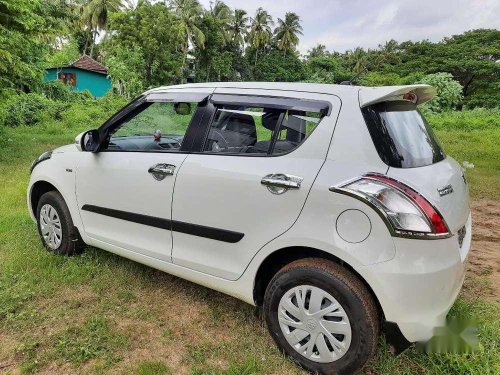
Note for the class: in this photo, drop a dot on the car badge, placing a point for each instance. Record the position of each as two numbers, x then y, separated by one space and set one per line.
448 189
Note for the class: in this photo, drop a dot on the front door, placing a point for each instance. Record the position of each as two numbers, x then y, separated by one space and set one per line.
250 180
124 192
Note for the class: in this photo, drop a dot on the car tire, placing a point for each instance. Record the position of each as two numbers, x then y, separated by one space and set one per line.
347 335
55 225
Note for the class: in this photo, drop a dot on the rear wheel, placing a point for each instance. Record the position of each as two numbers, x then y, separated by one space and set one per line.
322 316
55 226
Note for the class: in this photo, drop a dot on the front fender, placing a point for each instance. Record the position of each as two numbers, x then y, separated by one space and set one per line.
60 172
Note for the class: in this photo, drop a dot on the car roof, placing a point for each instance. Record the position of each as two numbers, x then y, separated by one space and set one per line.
284 86
367 95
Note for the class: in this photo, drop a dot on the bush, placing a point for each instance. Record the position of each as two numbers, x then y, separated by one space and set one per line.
30 109
449 92
56 90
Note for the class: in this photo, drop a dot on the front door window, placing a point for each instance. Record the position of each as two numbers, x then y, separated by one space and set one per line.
158 127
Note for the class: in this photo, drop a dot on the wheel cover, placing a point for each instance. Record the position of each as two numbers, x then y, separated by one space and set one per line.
314 324
50 226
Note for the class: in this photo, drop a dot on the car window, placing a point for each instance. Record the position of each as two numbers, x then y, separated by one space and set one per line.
401 135
295 128
158 126
240 129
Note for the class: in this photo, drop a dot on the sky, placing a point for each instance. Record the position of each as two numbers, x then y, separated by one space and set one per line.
346 24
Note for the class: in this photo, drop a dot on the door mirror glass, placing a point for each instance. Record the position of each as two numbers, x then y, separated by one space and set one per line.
182 108
90 141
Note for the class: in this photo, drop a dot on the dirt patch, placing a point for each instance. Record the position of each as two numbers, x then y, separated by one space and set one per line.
484 258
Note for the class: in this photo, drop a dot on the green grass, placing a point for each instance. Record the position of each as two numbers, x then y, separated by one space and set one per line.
98 313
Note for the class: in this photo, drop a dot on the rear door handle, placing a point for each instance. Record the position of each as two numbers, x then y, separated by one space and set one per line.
161 170
279 183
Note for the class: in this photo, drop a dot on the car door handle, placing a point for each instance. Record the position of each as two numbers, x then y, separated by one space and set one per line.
162 170
278 183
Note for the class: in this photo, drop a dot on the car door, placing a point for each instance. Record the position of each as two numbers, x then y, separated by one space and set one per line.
250 179
124 191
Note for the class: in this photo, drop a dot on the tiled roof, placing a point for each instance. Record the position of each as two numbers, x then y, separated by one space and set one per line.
87 63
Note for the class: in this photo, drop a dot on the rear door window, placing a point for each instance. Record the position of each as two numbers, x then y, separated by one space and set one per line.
401 135
261 125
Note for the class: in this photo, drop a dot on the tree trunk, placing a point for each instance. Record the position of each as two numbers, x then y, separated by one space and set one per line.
93 43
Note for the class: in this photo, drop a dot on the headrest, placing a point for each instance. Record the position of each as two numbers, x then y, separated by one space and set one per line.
270 118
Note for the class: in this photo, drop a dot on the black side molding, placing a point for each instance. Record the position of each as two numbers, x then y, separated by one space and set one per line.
177 226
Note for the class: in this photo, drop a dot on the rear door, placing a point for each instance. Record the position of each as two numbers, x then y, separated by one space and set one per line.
251 177
407 144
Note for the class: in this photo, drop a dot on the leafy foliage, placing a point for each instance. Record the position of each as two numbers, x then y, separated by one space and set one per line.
449 92
148 43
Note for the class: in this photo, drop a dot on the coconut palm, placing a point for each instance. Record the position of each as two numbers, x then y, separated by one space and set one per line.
95 14
260 30
317 51
222 15
288 31
238 27
357 60
188 14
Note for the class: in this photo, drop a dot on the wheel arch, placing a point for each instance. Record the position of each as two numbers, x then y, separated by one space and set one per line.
38 189
279 258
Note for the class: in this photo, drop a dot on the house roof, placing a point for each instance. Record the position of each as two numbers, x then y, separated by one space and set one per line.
86 63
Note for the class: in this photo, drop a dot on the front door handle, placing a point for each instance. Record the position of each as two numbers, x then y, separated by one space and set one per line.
279 183
162 170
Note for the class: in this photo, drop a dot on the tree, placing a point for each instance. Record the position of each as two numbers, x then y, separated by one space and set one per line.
238 28
326 69
288 31
318 50
150 31
27 30
260 31
188 14
96 14
273 66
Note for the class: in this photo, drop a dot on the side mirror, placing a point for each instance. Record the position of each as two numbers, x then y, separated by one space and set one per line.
88 141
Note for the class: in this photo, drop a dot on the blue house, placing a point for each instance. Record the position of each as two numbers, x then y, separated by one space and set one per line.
82 74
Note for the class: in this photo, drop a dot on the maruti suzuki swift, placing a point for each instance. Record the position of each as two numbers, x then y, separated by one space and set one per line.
331 207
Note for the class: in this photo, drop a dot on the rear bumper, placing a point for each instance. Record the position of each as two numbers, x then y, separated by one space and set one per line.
418 287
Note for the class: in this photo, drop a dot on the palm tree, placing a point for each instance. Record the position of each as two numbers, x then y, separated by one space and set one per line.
95 14
188 14
222 15
238 27
288 31
357 60
260 30
317 51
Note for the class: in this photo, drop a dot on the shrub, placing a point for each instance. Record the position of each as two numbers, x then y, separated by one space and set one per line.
449 92
56 90
30 109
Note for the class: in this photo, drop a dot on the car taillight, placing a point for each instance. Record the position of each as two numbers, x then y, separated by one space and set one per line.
407 212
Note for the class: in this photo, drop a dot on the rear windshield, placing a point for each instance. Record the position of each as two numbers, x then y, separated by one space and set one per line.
401 135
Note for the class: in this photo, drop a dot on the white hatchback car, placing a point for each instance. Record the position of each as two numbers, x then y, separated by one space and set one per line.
333 207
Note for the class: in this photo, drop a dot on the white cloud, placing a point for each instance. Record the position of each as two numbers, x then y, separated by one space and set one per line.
346 24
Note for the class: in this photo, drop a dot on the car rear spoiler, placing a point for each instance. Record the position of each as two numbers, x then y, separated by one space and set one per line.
417 94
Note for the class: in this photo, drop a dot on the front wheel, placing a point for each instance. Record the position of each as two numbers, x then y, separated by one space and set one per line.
55 226
322 316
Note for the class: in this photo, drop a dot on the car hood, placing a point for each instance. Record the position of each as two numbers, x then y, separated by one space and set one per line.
64 149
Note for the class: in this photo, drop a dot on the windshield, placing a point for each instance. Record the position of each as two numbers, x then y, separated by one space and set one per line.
401 135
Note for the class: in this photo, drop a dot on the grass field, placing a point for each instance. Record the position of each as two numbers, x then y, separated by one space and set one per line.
99 313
